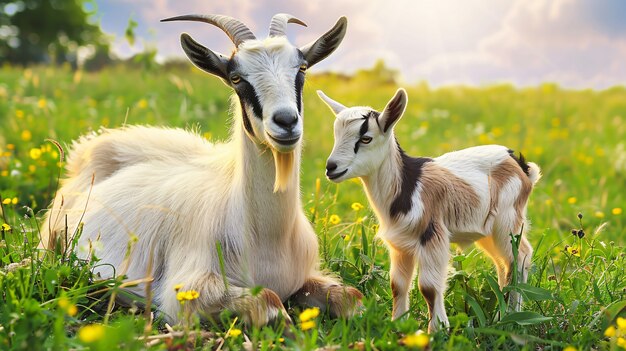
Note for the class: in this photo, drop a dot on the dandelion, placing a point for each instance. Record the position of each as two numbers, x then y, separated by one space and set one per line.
572 250
334 219
183 296
6 227
9 201
307 325
346 238
616 211
42 103
357 206
26 135
19 114
598 214
91 333
67 306
609 332
309 314
621 324
35 153
570 348
548 202
416 340
571 200
621 342
143 103
234 332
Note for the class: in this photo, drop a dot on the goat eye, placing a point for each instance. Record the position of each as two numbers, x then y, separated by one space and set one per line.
303 68
235 79
365 139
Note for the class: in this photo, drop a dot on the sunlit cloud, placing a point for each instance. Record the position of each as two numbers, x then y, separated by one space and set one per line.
572 42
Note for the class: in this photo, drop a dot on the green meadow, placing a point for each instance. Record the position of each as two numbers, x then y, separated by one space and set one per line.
575 296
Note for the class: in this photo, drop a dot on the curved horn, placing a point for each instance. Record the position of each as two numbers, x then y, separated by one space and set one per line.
236 31
279 24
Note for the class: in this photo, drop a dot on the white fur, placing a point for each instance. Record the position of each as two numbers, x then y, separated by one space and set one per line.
379 165
180 195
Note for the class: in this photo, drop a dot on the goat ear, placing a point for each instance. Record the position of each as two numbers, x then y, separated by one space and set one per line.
204 58
318 50
334 105
394 110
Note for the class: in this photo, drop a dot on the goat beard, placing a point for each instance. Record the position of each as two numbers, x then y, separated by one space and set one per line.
283 163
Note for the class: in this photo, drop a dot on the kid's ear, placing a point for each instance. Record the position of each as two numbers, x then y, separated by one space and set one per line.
394 110
332 104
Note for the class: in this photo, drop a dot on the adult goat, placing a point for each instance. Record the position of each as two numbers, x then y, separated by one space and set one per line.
183 199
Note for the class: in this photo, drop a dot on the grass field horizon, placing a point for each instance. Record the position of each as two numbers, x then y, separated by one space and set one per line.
576 289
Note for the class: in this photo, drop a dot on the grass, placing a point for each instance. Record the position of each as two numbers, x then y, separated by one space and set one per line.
577 285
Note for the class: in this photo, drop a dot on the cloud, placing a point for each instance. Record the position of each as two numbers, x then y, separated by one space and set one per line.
573 42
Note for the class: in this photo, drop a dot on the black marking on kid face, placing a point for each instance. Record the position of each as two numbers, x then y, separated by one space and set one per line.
362 131
365 127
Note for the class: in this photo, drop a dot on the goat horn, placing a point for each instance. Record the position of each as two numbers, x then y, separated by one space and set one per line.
236 31
279 24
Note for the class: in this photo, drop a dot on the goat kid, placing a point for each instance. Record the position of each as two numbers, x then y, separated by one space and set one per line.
181 197
423 204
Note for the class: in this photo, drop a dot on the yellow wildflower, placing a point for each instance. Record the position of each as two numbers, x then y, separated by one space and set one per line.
19 113
35 153
10 201
187 295
180 296
11 146
416 340
42 103
234 332
14 201
6 227
142 103
207 135
307 325
357 206
26 135
178 287
6 201
598 214
91 333
375 227
621 342
616 211
309 314
4 173
281 339
571 200
573 251
346 238
72 310
334 219
621 324
32 168
570 348
609 332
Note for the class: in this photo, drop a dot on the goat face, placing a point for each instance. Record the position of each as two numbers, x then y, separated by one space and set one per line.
267 75
362 137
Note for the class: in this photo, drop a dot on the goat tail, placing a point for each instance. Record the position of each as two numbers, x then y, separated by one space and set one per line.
534 172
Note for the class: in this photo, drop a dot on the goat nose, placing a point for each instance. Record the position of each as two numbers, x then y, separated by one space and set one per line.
285 119
331 166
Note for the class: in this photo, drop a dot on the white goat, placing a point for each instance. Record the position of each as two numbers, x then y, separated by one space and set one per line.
477 195
181 196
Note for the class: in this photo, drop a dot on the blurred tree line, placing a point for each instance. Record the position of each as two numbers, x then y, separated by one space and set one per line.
49 32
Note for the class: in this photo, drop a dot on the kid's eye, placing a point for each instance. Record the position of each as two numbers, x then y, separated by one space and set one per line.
365 139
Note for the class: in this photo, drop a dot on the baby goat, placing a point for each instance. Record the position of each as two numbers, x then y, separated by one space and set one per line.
221 219
477 195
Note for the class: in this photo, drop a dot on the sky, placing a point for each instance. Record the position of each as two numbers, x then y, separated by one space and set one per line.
575 43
